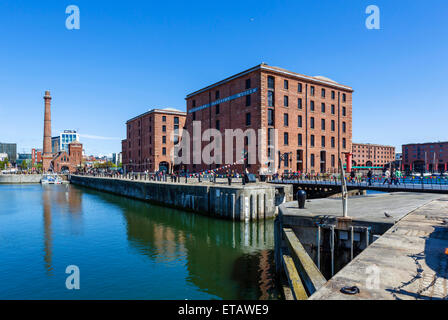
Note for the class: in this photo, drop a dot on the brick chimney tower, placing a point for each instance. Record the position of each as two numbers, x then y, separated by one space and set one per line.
47 155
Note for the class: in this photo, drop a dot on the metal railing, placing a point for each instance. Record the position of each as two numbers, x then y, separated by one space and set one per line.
375 183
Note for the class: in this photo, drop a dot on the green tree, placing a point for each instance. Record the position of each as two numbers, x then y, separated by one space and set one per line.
24 165
4 164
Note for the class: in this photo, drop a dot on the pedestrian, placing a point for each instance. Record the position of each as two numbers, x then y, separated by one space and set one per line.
352 175
369 176
386 176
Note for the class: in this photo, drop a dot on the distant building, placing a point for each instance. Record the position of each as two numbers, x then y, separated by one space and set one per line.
27 157
11 150
372 155
148 144
431 156
116 158
36 156
69 156
61 142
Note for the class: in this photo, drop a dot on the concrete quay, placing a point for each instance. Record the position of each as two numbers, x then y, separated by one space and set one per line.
20 178
235 202
409 232
410 261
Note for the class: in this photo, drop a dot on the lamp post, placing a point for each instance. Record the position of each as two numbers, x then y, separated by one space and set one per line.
282 157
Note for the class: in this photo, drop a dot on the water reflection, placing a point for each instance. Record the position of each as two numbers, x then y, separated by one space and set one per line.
66 201
226 259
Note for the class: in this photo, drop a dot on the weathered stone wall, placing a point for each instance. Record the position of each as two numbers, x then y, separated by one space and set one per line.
251 202
20 178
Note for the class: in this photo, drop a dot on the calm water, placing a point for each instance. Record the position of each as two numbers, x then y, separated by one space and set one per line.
125 249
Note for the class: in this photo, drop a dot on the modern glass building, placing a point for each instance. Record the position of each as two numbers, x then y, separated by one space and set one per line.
10 149
61 142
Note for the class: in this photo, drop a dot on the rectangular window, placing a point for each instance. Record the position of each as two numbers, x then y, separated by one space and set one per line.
270 117
248 84
332 142
285 119
271 82
299 121
217 125
344 145
164 151
332 109
217 94
322 107
217 109
323 93
163 119
322 124
312 123
164 128
344 111
312 91
299 103
312 140
194 116
248 119
248 100
344 97
285 139
322 140
285 84
343 127
312 160
299 139
332 160
286 101
163 139
332 95
270 98
312 105
176 120
299 87
193 103
332 125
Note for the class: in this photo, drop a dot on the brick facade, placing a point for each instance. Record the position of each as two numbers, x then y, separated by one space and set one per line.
372 155
331 129
432 156
149 144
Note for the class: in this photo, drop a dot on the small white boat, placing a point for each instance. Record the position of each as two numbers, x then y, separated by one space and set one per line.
51 179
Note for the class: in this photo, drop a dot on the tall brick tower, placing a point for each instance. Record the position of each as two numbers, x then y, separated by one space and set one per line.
47 155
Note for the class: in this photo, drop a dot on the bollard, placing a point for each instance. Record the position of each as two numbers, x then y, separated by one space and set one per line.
301 198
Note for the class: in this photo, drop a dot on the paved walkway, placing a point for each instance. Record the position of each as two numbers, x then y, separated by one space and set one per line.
369 208
410 261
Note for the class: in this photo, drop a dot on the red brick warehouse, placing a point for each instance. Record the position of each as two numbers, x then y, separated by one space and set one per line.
149 143
313 116
431 156
372 155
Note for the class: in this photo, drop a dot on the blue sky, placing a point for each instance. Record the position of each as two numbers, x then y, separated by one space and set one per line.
131 56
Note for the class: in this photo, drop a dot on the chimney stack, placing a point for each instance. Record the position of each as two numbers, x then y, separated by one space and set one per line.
47 123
